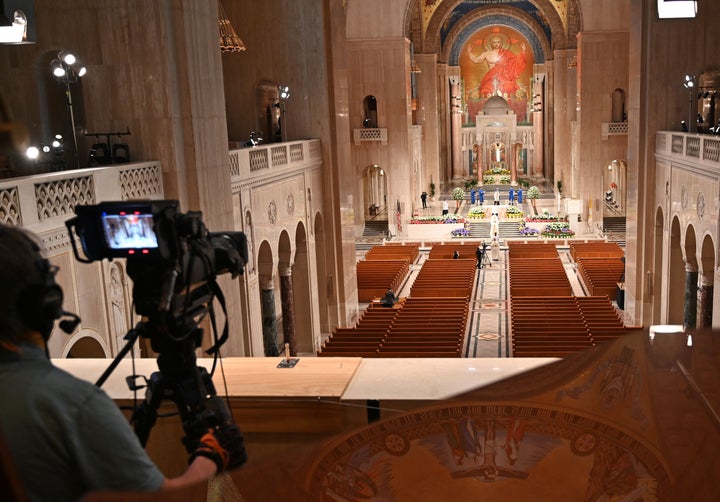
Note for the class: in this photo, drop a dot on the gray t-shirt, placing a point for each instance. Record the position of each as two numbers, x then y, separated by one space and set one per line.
66 436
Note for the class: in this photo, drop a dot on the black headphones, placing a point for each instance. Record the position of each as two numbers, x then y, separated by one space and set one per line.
40 304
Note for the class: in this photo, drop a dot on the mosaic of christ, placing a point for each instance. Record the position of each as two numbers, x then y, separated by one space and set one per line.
497 61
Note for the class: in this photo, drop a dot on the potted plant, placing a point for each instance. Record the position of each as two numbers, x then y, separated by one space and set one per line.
533 194
559 186
458 194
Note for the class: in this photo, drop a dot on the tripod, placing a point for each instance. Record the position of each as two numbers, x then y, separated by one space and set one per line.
179 380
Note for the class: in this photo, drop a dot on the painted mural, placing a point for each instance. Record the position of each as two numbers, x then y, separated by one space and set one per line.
497 61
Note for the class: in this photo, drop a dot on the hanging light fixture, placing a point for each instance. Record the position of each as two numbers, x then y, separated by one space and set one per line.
229 41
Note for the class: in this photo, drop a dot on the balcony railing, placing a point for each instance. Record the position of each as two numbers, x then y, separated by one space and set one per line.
46 200
370 134
701 149
614 129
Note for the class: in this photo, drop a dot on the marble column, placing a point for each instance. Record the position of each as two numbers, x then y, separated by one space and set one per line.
705 307
269 322
456 134
288 309
691 304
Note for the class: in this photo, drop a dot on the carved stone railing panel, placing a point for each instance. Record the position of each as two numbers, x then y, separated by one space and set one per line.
58 198
711 151
678 144
141 182
297 152
692 147
234 165
259 159
279 156
10 206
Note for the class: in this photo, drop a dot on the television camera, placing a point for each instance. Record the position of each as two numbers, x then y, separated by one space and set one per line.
173 261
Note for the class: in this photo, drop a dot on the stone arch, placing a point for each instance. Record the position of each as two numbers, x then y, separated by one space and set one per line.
87 343
520 22
675 286
432 42
657 268
325 287
286 256
303 292
691 278
375 191
267 279
708 262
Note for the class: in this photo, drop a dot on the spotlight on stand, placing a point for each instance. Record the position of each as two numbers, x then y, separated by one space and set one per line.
284 95
67 70
690 82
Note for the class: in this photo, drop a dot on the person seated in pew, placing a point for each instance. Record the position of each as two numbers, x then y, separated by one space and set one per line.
389 299
456 254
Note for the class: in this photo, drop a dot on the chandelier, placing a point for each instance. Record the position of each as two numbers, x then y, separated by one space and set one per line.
229 41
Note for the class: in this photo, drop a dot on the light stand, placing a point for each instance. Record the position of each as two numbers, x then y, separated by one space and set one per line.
67 70
689 82
283 95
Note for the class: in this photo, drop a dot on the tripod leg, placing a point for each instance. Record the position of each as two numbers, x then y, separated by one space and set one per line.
145 415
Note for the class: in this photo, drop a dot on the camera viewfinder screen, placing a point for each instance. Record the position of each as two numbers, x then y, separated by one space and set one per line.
129 230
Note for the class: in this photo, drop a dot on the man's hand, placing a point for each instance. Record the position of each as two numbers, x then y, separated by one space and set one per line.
224 445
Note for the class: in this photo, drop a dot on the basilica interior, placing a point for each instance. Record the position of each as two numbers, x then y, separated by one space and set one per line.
308 122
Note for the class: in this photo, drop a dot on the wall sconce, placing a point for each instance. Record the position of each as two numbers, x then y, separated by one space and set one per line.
283 92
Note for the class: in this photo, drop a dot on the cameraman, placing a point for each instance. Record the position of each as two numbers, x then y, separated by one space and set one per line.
66 436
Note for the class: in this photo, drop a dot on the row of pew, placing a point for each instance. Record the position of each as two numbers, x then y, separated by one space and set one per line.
430 322
546 320
414 327
384 267
600 266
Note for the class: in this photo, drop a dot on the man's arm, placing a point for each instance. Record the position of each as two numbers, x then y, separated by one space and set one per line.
202 469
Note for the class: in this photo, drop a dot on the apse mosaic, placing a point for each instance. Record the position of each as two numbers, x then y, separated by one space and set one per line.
497 61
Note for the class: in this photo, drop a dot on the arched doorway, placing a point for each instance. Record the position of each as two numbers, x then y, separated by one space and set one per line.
325 289
706 298
690 302
268 308
657 269
85 346
615 187
375 193
302 292
676 278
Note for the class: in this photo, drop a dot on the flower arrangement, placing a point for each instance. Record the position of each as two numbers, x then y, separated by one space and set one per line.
439 218
513 212
557 230
458 193
460 232
489 180
497 170
476 212
613 185
504 180
523 229
544 216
